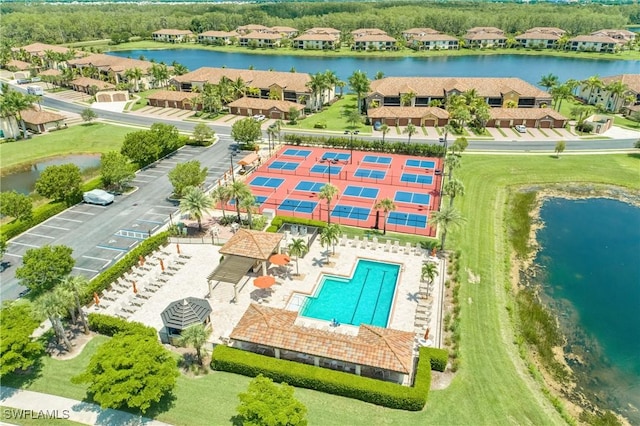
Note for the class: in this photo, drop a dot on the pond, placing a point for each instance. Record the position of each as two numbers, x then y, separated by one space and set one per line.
591 279
24 181
528 68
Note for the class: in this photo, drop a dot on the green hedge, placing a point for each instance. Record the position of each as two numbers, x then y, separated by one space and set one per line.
325 380
17 227
110 326
106 278
438 357
277 222
419 149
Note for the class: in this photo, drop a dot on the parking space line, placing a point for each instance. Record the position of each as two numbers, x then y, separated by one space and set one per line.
39 235
149 176
11 254
166 207
97 258
133 244
70 220
78 211
24 244
85 269
56 227
112 248
93 205
157 214
163 167
140 180
149 221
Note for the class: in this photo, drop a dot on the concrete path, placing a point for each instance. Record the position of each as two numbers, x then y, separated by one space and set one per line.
36 405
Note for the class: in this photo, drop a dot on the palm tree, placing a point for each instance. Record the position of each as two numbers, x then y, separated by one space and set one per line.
331 80
333 234
49 305
407 98
453 188
410 130
616 89
446 218
13 103
360 84
195 335
328 192
341 85
277 125
387 205
592 83
326 240
429 271
220 195
196 203
77 285
298 247
353 117
561 93
134 74
316 84
548 81
237 191
160 74
384 129
248 203
453 162
178 68
379 75
239 87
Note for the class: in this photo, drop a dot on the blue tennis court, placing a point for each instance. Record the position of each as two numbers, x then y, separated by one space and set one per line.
351 212
340 156
407 219
320 168
309 186
266 182
371 174
412 197
298 206
361 191
304 153
415 178
376 159
423 164
284 165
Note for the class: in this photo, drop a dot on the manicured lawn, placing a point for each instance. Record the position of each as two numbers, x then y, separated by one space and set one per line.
492 384
81 139
334 118
625 122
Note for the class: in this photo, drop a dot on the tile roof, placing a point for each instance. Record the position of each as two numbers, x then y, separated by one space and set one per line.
114 63
486 30
252 27
375 37
88 82
33 116
284 29
435 37
40 48
254 244
219 34
368 31
261 79
171 31
548 30
51 72
484 36
611 33
373 346
257 35
265 104
171 95
530 113
437 86
20 65
594 39
318 37
631 80
322 30
406 112
537 35
419 31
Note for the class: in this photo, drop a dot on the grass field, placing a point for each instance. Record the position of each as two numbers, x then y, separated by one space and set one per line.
334 117
83 139
492 385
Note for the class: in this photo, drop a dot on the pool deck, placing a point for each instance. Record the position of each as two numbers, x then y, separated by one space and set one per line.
189 275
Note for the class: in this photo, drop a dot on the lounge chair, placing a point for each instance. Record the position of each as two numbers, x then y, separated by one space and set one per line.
374 243
303 231
364 243
407 248
129 309
343 240
294 230
396 246
356 240
418 250
387 246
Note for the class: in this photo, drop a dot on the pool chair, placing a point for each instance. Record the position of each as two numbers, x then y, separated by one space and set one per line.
396 246
364 243
303 231
387 246
355 241
407 248
374 243
418 250
294 230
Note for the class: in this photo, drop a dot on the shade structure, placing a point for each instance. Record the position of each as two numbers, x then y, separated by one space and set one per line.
185 312
279 259
264 281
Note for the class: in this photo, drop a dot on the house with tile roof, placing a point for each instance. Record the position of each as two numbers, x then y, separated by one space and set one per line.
287 32
246 29
611 101
172 36
90 85
594 43
375 352
174 99
402 116
315 39
218 37
270 108
260 39
374 42
538 39
625 36
366 32
545 118
41 49
418 32
113 67
39 120
324 30
484 37
434 42
548 30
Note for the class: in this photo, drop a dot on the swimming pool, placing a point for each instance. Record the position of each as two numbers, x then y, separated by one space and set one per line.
365 298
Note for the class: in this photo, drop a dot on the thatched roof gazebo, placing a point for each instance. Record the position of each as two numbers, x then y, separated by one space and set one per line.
183 313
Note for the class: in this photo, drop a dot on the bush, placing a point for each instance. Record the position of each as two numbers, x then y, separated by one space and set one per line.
417 149
17 227
437 357
106 278
320 125
110 326
584 127
365 389
278 221
193 142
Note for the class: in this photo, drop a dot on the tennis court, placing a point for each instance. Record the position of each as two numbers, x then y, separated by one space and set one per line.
289 183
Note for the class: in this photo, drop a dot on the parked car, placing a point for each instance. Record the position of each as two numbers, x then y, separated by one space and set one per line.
98 196
377 125
259 117
521 128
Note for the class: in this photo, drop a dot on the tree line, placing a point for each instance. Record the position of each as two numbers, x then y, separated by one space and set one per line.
60 24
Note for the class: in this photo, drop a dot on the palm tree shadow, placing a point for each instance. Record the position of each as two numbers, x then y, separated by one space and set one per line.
413 297
317 262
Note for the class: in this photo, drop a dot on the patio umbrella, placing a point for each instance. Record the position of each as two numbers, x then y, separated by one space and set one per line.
279 259
96 299
178 248
162 265
135 289
264 281
141 260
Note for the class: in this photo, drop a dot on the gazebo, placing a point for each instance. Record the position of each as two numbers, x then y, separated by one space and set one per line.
184 313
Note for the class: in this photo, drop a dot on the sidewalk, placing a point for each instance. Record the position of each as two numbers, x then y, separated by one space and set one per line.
36 405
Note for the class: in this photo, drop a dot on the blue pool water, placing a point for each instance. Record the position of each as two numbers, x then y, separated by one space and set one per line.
365 298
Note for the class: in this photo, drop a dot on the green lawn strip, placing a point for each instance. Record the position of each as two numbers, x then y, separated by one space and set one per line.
543 132
82 139
398 130
424 131
501 131
557 132
600 137
33 418
332 116
619 120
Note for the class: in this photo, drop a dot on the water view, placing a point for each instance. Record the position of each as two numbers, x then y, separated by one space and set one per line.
589 255
528 68
24 181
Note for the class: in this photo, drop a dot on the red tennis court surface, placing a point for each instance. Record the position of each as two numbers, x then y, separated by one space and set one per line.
290 182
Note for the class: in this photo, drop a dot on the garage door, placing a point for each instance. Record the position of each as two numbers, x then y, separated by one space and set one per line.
403 121
545 124
430 123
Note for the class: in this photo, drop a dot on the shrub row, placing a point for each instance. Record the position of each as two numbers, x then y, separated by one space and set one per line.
438 358
106 278
349 385
110 326
278 221
419 149
40 214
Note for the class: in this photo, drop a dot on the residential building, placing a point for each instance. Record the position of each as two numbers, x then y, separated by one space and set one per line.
497 92
545 118
39 120
418 32
538 39
260 39
324 30
484 37
625 36
367 32
612 101
374 42
174 99
320 41
402 116
246 29
114 67
270 108
547 30
217 37
594 43
172 36
434 42
287 32
40 49
90 85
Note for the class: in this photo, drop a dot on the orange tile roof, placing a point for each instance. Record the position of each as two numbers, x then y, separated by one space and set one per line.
171 95
257 35
33 116
50 72
265 104
322 30
253 78
284 29
526 113
20 65
631 80
368 31
88 82
114 63
40 48
170 31
318 37
406 112
219 34
418 31
375 37
537 35
548 30
437 86
486 30
252 27
594 39
253 244
611 33
435 37
373 346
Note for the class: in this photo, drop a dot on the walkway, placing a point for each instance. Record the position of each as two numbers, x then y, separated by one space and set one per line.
41 405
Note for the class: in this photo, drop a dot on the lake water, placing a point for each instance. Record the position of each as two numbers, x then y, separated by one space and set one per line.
25 181
591 277
528 68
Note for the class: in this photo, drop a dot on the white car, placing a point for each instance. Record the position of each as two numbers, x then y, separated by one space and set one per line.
521 128
259 117
98 196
